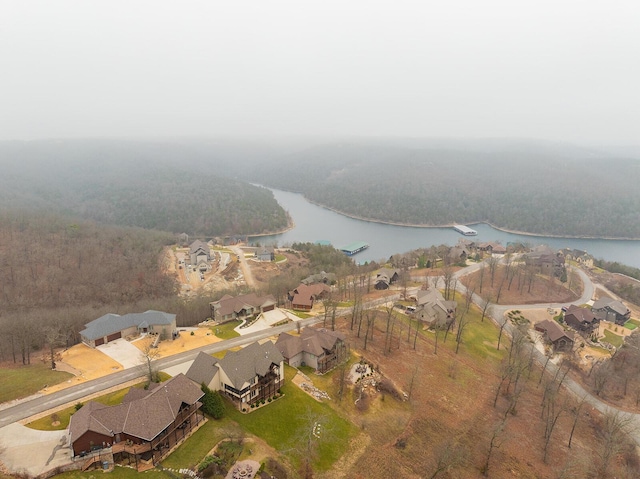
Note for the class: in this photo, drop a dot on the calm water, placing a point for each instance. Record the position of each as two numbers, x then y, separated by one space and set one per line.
314 223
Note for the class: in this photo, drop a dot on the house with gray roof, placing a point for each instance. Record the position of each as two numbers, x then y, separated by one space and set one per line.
317 348
246 377
200 256
613 310
141 430
555 335
113 326
582 320
432 308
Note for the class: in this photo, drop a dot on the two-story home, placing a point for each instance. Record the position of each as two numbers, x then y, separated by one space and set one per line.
385 277
431 308
582 320
141 430
200 256
250 375
317 348
229 308
549 262
265 253
612 310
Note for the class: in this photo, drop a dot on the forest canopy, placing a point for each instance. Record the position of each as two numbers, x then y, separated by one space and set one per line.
165 187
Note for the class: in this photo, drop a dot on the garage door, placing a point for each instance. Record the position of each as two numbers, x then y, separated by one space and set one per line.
99 342
114 336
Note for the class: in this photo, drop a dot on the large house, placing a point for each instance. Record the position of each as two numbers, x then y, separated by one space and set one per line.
229 308
200 255
317 348
247 376
558 338
609 309
113 326
303 297
265 253
432 308
549 262
582 320
141 430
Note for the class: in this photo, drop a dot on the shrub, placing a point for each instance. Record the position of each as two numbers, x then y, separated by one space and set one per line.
192 333
212 403
78 406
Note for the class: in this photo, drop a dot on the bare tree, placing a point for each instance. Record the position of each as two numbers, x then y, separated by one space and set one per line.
485 306
496 439
449 455
614 438
149 353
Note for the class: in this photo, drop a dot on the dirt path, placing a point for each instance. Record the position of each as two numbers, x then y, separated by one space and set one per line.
246 269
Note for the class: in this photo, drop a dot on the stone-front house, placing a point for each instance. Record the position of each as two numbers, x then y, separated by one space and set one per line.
321 277
200 255
141 430
247 376
553 333
579 256
612 310
303 297
113 326
317 348
432 308
229 308
582 320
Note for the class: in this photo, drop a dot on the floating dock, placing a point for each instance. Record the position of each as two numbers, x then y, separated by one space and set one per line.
354 248
462 229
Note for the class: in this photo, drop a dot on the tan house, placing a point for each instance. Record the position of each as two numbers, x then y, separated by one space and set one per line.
317 348
248 376
113 326
432 308
141 430
229 308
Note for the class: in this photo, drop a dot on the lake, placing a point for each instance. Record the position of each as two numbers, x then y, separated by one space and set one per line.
314 223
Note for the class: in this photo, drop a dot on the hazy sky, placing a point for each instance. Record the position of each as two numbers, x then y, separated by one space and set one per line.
560 70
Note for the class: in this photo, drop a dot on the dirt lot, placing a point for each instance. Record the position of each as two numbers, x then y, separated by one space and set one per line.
87 363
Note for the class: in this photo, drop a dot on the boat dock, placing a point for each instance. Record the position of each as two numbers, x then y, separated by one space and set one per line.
462 229
354 248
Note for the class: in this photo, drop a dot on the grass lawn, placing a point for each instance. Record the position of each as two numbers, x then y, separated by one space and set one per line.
301 314
280 257
23 381
288 421
613 339
118 473
225 331
632 324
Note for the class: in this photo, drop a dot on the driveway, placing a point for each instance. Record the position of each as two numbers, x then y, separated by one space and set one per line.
123 352
33 452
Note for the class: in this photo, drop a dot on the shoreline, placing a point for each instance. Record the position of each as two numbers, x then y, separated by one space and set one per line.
411 225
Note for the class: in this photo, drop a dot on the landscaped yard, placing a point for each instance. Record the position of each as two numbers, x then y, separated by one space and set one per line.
226 330
613 339
632 324
291 420
23 381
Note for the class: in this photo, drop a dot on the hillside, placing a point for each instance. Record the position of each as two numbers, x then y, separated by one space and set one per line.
539 188
171 187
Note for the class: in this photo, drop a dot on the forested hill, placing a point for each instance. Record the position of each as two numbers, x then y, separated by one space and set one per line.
541 188
175 187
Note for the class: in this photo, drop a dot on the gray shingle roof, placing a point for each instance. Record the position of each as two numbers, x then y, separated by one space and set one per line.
203 369
243 365
112 323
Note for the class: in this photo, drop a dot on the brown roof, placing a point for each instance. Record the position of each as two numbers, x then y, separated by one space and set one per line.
583 315
312 341
145 417
251 361
203 369
305 294
553 330
229 304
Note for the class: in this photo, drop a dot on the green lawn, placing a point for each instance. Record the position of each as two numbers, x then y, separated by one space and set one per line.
285 422
226 330
301 314
24 381
613 339
632 324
